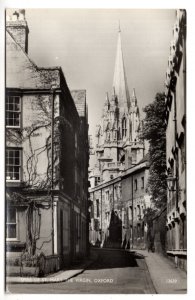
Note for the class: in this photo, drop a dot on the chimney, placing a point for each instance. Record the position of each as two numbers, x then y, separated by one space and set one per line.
17 26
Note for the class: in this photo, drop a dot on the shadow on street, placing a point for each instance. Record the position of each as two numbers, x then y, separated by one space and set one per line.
114 259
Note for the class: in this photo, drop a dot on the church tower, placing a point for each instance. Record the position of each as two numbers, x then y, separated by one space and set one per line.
118 146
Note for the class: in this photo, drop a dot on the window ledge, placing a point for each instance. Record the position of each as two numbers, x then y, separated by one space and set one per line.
12 127
14 180
14 183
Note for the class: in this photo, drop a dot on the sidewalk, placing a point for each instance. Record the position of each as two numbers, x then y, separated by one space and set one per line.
167 279
59 276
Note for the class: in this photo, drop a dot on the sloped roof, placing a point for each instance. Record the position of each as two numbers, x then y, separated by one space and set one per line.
22 72
79 97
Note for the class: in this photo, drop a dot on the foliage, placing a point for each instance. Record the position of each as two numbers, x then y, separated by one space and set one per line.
154 130
29 260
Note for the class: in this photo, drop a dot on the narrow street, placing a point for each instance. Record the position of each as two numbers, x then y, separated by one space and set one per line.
114 271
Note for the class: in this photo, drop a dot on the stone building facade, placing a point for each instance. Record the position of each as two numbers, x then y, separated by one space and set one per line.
46 157
135 200
117 209
175 92
117 152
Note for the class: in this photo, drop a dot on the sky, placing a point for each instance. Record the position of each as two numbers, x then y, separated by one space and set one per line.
83 42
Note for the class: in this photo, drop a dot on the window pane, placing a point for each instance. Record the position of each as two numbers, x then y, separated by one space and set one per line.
8 176
11 215
11 107
16 121
17 161
17 107
9 121
11 231
11 161
7 156
10 100
10 169
11 153
17 100
16 173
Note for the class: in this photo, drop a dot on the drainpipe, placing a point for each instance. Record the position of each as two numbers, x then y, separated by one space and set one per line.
101 215
52 164
113 195
132 212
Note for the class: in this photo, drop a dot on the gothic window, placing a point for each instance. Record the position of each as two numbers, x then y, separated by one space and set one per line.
135 183
142 179
130 129
124 127
118 134
97 207
122 159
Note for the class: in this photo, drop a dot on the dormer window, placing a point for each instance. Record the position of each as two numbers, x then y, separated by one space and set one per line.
13 111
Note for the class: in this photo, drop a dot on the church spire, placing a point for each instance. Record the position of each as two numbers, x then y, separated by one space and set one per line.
119 80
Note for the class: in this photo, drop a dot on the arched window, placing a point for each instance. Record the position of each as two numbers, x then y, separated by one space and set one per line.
124 128
118 134
130 130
